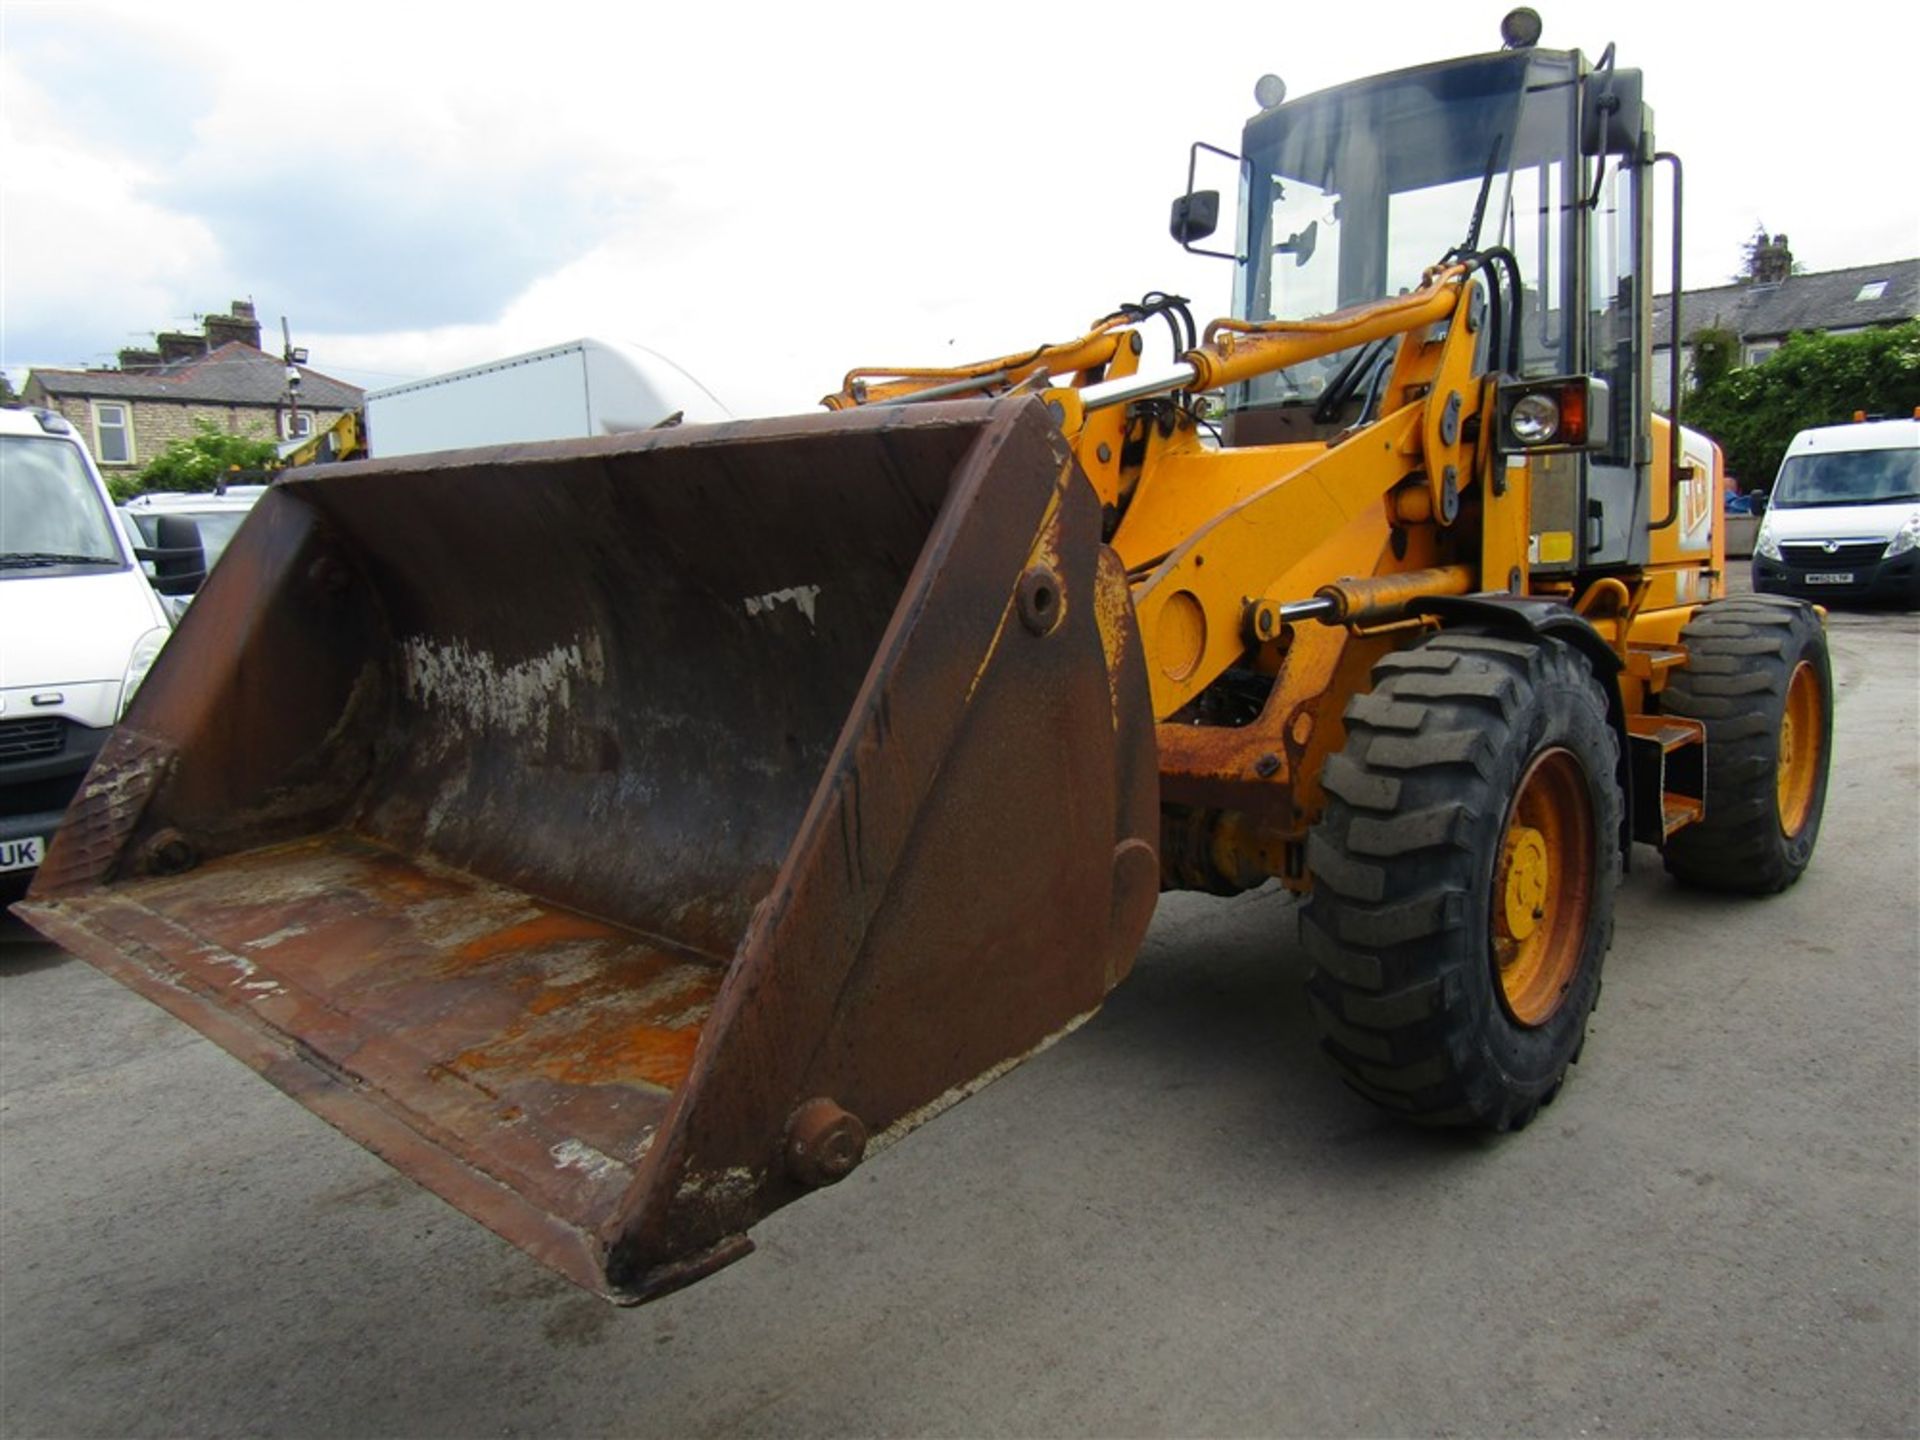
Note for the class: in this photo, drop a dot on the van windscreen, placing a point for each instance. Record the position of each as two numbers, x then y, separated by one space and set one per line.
1848 477
50 512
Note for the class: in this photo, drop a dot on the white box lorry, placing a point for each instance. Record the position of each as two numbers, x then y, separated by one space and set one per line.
584 387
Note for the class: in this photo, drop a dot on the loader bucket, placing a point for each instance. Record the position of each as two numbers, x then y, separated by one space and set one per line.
622 836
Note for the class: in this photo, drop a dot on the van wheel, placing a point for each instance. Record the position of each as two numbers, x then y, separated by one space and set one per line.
1759 678
1464 877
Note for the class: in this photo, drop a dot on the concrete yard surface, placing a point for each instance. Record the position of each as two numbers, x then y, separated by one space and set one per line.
1176 1222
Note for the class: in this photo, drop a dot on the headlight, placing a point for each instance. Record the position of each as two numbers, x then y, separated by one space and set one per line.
1764 545
1569 412
1535 419
1906 537
145 651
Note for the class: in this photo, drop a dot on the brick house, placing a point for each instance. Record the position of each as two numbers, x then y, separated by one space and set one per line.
1765 310
129 413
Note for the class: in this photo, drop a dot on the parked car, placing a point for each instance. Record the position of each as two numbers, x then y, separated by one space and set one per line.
79 628
216 516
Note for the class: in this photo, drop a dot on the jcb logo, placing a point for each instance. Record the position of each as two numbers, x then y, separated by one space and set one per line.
1696 503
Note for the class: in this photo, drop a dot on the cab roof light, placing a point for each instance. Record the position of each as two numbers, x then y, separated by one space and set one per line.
52 422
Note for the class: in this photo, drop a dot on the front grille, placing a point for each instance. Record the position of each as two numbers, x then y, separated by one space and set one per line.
48 795
1814 555
33 738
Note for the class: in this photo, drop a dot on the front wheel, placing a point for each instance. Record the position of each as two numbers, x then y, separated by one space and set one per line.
1759 678
1464 877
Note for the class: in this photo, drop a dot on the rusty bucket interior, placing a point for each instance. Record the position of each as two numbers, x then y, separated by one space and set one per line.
563 821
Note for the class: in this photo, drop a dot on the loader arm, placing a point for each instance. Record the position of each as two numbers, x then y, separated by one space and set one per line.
880 385
1209 534
1328 516
1218 542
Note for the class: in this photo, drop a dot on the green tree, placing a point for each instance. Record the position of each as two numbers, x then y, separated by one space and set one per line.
1753 411
7 397
201 462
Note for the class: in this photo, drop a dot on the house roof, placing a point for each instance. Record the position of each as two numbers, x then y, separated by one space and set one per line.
1830 300
232 374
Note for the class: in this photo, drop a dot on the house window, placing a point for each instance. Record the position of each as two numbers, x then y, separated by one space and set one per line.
1872 290
296 425
112 433
1760 354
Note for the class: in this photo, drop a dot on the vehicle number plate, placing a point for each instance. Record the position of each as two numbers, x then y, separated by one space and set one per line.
22 854
1831 577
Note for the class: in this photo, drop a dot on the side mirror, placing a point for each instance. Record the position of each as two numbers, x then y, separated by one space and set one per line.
179 557
1757 501
1612 114
1196 215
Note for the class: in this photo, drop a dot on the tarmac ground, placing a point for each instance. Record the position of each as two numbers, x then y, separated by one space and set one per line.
1177 1221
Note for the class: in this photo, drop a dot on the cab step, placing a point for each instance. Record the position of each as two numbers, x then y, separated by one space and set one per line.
1653 663
1669 773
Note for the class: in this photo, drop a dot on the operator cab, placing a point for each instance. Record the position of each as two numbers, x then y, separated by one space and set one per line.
1531 165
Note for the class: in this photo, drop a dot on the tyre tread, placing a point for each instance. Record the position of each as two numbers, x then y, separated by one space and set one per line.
1393 863
1742 652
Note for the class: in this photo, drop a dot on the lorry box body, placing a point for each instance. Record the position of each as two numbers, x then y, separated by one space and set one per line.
584 387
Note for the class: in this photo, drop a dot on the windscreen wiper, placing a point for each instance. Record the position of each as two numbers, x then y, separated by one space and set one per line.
1472 242
24 559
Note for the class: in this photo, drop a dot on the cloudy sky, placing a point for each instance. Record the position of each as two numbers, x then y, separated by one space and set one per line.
772 194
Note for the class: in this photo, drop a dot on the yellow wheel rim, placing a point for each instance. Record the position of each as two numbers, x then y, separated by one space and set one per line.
1543 888
1803 740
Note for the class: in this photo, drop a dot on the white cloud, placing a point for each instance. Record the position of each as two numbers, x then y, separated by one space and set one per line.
86 261
769 194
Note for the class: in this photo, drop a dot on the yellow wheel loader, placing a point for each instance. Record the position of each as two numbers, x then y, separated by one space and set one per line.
624 837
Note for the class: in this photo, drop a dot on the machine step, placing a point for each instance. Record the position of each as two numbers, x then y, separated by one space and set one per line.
1669 774
1652 662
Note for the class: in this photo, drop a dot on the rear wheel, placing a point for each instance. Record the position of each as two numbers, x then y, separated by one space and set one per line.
1464 878
1759 678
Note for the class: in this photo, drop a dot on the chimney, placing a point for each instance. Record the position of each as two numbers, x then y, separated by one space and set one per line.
132 359
1773 262
176 346
240 325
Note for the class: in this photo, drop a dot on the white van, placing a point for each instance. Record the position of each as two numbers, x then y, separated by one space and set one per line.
80 626
1843 521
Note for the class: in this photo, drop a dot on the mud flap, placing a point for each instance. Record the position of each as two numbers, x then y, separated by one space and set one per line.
622 837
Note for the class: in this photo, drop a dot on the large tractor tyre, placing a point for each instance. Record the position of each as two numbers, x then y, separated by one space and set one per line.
1464 879
1758 676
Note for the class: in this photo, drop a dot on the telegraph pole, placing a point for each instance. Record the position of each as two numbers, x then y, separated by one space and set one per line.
294 357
